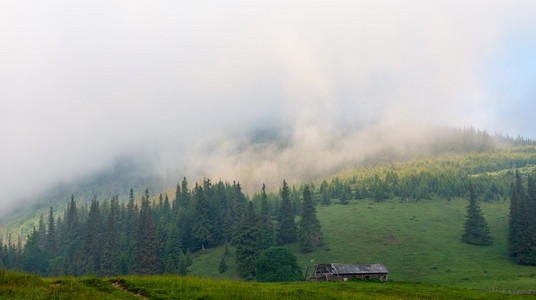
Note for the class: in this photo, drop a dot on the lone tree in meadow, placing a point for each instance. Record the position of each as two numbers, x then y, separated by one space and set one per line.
476 229
309 234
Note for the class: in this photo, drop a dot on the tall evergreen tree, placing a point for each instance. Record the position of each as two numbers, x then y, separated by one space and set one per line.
34 257
185 196
202 226
526 247
147 245
248 242
177 200
92 246
476 229
51 236
517 216
309 233
286 228
70 240
266 220
324 193
110 257
42 233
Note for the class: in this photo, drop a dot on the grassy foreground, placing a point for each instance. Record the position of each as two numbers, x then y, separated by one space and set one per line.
17 286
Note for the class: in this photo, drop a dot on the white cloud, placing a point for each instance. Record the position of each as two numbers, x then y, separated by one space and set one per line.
83 81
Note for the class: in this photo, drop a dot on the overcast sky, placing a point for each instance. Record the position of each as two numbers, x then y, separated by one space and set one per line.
83 81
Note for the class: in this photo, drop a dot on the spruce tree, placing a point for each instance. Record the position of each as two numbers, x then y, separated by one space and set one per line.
185 196
173 250
324 193
286 228
223 265
71 240
34 258
177 200
92 246
517 216
110 257
202 229
42 233
476 229
51 244
266 220
309 233
147 245
248 242
526 251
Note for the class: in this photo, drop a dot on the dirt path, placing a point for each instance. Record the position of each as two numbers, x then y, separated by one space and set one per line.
119 286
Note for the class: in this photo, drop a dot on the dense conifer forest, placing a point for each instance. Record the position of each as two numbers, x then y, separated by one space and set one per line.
151 234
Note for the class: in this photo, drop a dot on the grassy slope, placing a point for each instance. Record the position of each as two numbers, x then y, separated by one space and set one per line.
14 286
416 241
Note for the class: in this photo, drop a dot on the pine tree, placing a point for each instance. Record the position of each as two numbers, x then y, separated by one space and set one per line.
248 242
70 240
42 233
202 226
177 200
476 229
33 257
309 233
110 257
185 196
266 220
147 245
223 265
51 244
324 193
526 251
92 246
286 228
517 216
129 246
173 250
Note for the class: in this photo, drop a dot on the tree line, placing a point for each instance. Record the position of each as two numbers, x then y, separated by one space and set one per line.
157 236
522 221
521 225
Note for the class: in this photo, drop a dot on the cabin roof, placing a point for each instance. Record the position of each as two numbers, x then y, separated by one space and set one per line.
356 268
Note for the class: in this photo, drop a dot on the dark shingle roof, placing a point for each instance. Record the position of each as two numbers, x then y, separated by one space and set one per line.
358 269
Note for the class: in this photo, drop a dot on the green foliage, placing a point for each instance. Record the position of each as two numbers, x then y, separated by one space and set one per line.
522 223
309 233
248 242
476 229
147 261
203 228
277 264
223 265
286 228
111 251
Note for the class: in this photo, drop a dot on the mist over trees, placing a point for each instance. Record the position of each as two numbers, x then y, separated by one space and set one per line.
153 236
157 234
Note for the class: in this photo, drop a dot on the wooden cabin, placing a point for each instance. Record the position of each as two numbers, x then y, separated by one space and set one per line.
344 272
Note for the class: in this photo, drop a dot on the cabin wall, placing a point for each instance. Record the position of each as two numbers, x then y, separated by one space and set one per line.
346 277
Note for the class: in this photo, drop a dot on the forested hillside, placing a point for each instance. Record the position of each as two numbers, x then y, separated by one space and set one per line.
162 233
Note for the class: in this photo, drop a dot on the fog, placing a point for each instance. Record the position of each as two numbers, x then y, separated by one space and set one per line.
187 85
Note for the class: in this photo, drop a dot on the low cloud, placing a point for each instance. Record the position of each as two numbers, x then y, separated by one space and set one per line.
189 84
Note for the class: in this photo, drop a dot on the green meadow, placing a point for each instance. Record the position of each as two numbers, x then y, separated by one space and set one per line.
417 241
15 286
